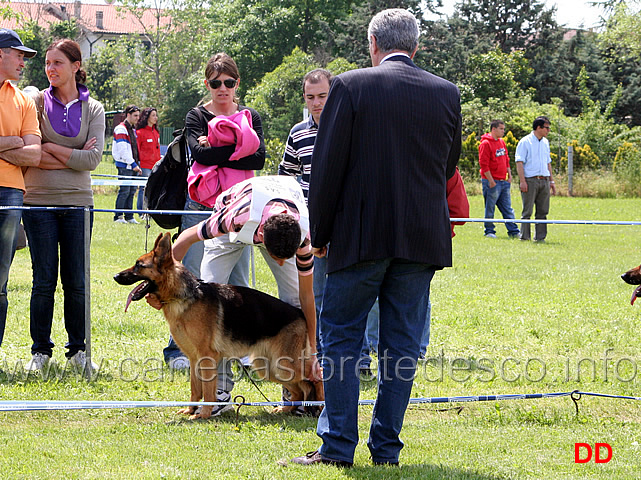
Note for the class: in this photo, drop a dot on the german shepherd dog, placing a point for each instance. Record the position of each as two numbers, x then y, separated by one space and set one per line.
210 321
633 277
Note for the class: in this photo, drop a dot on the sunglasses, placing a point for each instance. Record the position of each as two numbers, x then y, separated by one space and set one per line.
229 83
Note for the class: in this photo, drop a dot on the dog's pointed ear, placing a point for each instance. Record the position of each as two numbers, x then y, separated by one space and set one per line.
162 250
160 235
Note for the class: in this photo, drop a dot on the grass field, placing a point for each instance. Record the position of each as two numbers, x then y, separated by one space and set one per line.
509 317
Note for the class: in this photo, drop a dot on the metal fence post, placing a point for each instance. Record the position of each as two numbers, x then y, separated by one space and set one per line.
87 252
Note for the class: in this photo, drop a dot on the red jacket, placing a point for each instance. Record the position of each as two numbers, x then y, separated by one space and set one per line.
148 139
493 156
457 202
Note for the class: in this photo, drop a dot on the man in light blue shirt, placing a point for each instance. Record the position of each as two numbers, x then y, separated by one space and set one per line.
533 163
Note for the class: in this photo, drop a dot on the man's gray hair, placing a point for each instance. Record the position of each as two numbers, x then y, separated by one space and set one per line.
394 29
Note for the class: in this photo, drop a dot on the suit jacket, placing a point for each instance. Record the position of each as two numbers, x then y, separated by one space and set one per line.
388 140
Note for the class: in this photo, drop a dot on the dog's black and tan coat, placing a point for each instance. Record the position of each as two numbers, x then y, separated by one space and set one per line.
210 321
633 277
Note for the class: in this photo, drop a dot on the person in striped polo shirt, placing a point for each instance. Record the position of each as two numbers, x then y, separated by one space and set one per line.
297 158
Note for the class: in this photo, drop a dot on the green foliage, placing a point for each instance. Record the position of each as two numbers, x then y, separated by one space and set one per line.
469 161
595 127
274 149
279 96
101 76
166 69
623 30
627 168
511 25
496 74
583 157
38 38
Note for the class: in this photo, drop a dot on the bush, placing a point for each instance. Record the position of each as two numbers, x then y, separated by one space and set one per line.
469 161
627 168
274 149
584 157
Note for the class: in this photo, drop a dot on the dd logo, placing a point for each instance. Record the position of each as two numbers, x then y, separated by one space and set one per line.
578 447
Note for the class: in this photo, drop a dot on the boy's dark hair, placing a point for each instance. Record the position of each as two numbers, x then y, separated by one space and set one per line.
281 235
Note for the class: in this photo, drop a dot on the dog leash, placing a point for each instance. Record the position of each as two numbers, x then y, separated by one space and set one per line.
248 374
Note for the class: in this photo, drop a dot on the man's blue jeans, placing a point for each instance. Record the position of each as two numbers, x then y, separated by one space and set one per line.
349 296
499 196
9 221
320 274
46 231
125 198
141 205
370 345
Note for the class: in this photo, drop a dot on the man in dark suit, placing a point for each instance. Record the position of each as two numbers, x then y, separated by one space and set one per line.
389 139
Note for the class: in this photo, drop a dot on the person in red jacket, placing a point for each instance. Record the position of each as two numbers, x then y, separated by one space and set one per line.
496 177
148 140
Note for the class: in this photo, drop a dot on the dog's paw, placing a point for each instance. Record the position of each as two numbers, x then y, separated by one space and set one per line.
282 409
186 411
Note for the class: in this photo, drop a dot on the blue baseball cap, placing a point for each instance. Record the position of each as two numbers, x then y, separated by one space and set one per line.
10 39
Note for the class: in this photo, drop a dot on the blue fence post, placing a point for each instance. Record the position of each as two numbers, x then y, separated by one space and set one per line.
87 253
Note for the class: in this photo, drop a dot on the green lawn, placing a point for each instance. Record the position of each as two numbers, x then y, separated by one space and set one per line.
509 317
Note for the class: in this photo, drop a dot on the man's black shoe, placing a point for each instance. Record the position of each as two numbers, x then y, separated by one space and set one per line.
312 458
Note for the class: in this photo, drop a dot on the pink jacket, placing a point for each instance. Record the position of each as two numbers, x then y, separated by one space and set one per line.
206 182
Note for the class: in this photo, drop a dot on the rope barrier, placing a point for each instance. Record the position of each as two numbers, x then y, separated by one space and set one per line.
51 405
467 220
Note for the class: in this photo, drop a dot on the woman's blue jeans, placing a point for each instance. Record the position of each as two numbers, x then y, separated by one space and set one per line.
9 221
57 239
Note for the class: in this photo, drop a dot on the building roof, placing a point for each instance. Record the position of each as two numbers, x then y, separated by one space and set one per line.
113 21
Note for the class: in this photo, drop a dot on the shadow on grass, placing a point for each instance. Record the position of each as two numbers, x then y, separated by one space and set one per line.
423 472
259 416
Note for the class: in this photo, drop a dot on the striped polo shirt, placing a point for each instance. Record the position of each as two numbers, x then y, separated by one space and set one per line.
297 159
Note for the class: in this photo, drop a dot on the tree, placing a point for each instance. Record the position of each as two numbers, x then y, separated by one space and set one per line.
496 74
165 63
513 24
279 96
350 35
623 30
39 39
260 34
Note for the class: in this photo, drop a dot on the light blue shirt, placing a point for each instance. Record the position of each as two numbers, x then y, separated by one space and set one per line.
535 155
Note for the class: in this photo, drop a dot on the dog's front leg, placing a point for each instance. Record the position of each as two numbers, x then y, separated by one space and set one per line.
207 372
196 391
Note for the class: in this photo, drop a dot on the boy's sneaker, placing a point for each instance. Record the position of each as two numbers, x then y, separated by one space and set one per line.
490 235
37 362
120 220
79 360
179 363
133 220
221 396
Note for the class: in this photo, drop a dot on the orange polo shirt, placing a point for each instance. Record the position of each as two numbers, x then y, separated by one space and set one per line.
18 117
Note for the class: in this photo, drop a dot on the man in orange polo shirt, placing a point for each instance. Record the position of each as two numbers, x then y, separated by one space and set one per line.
19 147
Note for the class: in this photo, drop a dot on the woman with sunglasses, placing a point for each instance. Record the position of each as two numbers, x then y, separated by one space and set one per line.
73 132
221 80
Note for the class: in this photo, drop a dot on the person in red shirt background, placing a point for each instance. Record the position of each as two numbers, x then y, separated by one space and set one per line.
496 177
148 139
